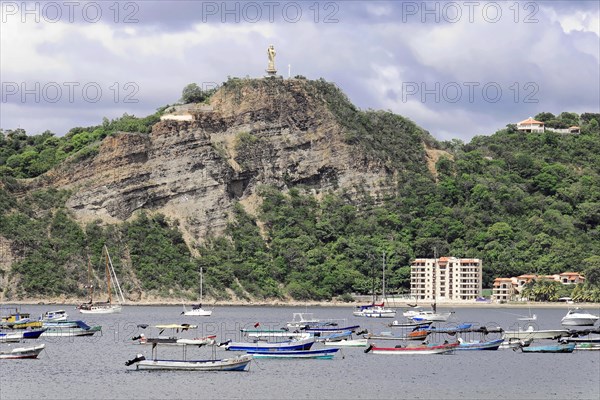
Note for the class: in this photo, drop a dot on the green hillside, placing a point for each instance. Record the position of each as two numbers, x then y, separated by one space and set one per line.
522 202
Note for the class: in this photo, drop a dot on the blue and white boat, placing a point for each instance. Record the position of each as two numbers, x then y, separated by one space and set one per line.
69 328
555 348
479 345
303 344
321 353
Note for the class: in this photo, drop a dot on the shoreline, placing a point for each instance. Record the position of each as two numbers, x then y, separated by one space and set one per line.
280 303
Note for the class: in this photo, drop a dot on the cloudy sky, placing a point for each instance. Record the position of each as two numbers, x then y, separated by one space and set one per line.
458 69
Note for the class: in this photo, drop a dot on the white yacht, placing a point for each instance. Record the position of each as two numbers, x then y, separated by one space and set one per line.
578 317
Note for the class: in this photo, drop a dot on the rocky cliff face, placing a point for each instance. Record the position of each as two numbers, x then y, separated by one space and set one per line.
271 131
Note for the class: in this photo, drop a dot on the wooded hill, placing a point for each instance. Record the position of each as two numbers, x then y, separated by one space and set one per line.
522 202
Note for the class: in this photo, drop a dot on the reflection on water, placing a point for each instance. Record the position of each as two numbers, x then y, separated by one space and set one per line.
93 367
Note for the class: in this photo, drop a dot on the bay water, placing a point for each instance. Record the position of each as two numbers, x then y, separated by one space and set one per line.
94 367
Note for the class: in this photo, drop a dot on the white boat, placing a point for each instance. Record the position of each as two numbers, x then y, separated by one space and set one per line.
22 352
375 311
172 339
531 333
430 315
52 316
578 317
107 307
237 363
197 310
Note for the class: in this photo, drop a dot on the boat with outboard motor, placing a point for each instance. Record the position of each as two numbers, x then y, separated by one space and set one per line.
237 363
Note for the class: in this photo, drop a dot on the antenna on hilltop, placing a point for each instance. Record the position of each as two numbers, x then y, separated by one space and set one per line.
289 70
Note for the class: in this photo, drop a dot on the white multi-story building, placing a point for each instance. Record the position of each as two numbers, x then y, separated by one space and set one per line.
446 278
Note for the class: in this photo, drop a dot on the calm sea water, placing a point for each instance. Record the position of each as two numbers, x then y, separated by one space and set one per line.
93 368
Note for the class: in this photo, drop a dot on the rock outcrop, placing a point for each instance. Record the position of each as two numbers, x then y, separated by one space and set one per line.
255 132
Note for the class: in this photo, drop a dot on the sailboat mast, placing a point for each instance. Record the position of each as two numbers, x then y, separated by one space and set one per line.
383 279
373 281
201 270
90 286
108 277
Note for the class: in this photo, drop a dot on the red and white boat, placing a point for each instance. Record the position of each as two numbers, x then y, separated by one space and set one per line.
413 350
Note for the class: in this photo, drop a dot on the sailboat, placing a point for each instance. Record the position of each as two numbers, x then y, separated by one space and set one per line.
197 309
107 307
531 317
375 310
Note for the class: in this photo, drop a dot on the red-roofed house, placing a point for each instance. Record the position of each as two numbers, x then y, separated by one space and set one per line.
570 278
530 125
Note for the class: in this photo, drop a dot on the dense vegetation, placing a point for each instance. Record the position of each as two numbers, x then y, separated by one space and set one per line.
522 202
25 156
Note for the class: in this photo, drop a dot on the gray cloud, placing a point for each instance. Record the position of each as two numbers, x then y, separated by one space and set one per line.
377 52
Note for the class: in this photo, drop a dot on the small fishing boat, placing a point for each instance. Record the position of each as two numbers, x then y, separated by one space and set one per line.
578 317
532 333
430 315
22 352
238 363
69 329
554 348
410 324
413 350
274 333
53 316
321 353
325 329
18 335
515 343
303 344
417 334
479 345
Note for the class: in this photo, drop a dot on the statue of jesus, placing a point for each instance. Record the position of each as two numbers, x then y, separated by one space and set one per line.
271 53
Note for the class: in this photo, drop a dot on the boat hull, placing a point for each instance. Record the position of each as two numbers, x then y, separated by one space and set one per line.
70 328
227 364
420 350
560 348
112 309
580 321
281 346
321 354
22 352
490 345
198 313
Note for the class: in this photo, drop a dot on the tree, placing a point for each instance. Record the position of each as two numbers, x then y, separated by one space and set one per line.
192 93
544 116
